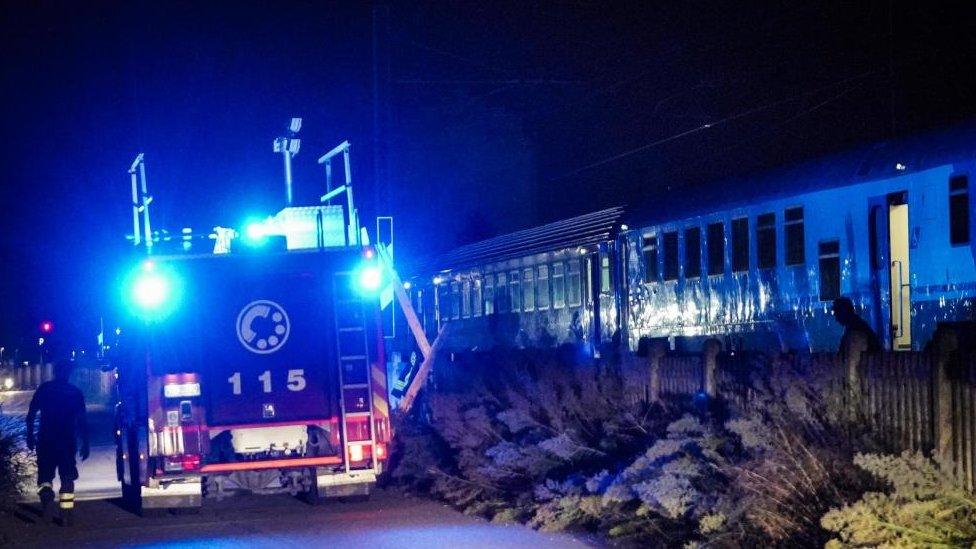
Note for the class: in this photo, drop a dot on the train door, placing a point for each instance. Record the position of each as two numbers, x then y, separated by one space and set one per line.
891 276
901 299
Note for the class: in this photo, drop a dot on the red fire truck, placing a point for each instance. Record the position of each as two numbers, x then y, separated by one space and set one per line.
258 367
261 372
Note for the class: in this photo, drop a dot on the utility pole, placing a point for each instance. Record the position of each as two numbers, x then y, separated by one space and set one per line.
381 70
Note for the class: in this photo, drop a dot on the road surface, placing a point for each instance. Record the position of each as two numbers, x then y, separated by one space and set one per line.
387 519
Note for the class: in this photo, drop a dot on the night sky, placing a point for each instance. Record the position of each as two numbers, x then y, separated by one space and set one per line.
466 120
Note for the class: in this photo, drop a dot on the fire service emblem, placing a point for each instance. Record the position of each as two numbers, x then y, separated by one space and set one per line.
263 327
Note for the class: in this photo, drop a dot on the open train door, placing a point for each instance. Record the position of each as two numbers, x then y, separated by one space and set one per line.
891 277
900 266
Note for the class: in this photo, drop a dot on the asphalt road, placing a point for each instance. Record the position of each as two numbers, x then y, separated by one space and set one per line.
387 519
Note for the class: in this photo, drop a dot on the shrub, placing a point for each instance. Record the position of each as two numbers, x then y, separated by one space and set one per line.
15 462
514 434
795 460
923 507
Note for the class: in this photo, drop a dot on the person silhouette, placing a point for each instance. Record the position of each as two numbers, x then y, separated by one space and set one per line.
846 316
63 421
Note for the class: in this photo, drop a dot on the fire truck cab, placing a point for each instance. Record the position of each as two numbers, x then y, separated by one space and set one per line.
253 371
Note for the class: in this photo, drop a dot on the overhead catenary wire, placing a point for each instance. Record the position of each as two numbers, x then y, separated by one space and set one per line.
710 125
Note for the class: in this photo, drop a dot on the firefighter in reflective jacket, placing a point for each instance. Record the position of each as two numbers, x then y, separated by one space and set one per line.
62 408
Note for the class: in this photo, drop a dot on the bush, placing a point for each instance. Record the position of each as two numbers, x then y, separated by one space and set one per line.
795 458
15 462
923 507
559 443
519 431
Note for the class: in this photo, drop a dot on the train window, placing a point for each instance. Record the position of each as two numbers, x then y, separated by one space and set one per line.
489 294
740 245
692 252
442 298
466 299
476 296
716 248
455 301
959 210
671 256
793 220
573 286
502 303
528 290
605 275
514 292
542 288
829 270
558 286
649 249
766 240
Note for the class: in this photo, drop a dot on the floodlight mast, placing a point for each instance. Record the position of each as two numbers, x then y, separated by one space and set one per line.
352 230
140 202
288 147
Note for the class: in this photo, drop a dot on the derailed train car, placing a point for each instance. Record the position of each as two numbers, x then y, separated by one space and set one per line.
759 261
756 261
543 286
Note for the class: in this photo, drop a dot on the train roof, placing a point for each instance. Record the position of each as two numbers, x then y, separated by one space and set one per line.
580 231
871 162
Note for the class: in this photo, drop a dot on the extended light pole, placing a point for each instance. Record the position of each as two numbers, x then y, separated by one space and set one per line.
288 147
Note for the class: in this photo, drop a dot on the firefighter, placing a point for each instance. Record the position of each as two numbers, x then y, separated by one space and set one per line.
846 316
63 421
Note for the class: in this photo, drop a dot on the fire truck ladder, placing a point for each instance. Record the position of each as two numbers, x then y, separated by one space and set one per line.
355 400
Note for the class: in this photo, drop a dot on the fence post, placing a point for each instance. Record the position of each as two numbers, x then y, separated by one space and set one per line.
853 348
657 352
712 348
945 344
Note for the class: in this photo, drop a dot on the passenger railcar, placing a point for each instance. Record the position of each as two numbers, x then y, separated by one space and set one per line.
759 261
543 286
756 261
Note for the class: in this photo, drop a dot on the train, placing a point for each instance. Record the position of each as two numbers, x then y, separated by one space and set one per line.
754 261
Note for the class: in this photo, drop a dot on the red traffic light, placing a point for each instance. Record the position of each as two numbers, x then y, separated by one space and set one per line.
47 327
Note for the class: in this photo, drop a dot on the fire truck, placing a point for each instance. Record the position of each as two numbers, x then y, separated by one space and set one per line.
255 368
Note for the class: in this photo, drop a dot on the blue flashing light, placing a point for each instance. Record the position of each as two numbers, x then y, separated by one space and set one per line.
152 290
255 231
370 278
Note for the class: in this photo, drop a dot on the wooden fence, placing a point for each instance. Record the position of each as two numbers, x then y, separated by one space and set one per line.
904 400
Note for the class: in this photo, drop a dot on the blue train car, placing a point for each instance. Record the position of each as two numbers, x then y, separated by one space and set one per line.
540 287
758 260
